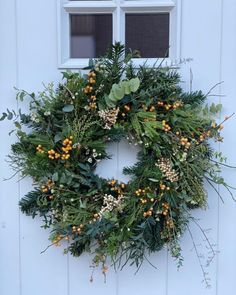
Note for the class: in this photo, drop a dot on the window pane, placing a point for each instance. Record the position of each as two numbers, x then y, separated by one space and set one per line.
148 33
91 34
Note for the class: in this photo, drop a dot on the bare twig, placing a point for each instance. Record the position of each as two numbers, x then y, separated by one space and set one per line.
205 279
47 248
208 180
222 164
217 84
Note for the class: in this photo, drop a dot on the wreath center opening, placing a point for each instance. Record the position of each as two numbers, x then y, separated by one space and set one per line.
121 154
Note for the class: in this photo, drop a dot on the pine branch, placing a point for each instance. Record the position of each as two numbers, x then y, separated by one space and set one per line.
193 98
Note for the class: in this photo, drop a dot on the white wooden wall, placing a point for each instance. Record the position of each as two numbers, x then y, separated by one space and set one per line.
28 57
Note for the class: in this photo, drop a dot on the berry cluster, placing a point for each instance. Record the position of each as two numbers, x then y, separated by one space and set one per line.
126 110
77 229
148 213
117 188
168 106
67 147
185 142
40 149
48 186
89 89
165 126
53 155
164 187
165 208
170 223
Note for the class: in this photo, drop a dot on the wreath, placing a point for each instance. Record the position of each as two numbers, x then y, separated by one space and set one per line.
65 134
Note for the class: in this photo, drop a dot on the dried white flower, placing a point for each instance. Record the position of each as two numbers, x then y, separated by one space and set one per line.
110 203
109 117
64 215
166 168
184 157
34 117
90 160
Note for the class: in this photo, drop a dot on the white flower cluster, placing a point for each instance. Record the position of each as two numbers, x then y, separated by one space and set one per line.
94 155
166 168
34 117
56 214
64 215
184 157
77 145
110 203
100 67
132 140
47 113
109 117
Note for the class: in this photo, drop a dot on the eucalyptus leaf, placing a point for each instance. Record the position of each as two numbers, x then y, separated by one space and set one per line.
68 108
118 91
134 84
4 115
55 176
154 180
57 137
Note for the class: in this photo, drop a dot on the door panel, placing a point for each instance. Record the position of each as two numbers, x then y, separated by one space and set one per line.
28 57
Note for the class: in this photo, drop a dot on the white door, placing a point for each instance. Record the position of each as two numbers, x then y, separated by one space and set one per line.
34 45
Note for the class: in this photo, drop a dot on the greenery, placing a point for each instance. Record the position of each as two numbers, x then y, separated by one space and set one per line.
64 136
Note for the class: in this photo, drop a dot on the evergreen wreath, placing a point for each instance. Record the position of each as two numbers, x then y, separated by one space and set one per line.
68 129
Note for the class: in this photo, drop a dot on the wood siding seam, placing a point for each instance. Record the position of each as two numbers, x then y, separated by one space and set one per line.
219 145
18 175
117 177
68 272
167 272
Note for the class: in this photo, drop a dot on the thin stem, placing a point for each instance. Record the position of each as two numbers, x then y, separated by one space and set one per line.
12 176
226 119
149 261
47 248
205 279
139 267
204 234
219 195
216 162
227 187
217 84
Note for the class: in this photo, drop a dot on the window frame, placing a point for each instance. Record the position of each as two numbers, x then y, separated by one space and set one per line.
118 9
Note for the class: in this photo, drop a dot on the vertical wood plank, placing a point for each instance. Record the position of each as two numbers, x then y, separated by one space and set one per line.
80 270
36 27
226 283
201 40
148 279
9 213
